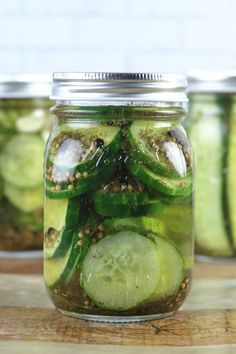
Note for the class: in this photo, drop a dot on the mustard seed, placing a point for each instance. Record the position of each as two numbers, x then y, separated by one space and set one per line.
78 175
81 233
100 228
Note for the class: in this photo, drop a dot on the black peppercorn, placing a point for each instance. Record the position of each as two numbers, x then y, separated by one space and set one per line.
99 143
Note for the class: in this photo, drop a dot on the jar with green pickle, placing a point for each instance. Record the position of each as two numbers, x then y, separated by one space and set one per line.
212 132
24 129
118 229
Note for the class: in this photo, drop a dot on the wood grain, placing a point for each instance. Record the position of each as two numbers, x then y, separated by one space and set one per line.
21 266
35 347
215 270
186 328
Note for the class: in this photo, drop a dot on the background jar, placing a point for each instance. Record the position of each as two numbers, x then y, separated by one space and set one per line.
118 196
24 129
212 131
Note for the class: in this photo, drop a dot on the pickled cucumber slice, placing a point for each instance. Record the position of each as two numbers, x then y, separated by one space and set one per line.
119 198
169 254
121 271
53 268
116 199
21 161
165 151
116 209
143 224
172 268
207 140
165 185
82 149
231 173
32 122
178 231
26 200
60 222
65 267
81 185
22 219
7 120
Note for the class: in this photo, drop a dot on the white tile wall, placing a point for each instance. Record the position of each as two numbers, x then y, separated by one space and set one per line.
127 34
36 32
116 35
193 7
210 35
10 5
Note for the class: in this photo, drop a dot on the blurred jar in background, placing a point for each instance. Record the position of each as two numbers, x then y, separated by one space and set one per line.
24 126
212 131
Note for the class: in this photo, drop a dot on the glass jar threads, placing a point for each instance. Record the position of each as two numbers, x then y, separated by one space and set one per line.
118 242
211 128
24 128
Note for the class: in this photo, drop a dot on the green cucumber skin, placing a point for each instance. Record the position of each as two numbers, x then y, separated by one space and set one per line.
143 224
72 220
114 210
165 185
125 204
141 156
75 253
75 259
78 252
97 159
119 198
158 167
207 141
152 207
83 186
172 266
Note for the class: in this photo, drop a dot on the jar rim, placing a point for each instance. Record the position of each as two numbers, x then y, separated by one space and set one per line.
25 86
207 81
119 88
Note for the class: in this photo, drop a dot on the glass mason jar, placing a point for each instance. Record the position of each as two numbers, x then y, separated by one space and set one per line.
24 129
211 127
118 240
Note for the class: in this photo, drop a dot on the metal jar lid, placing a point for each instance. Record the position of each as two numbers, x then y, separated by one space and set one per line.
201 81
119 88
25 86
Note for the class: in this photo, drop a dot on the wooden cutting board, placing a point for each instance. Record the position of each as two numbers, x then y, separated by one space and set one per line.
30 324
